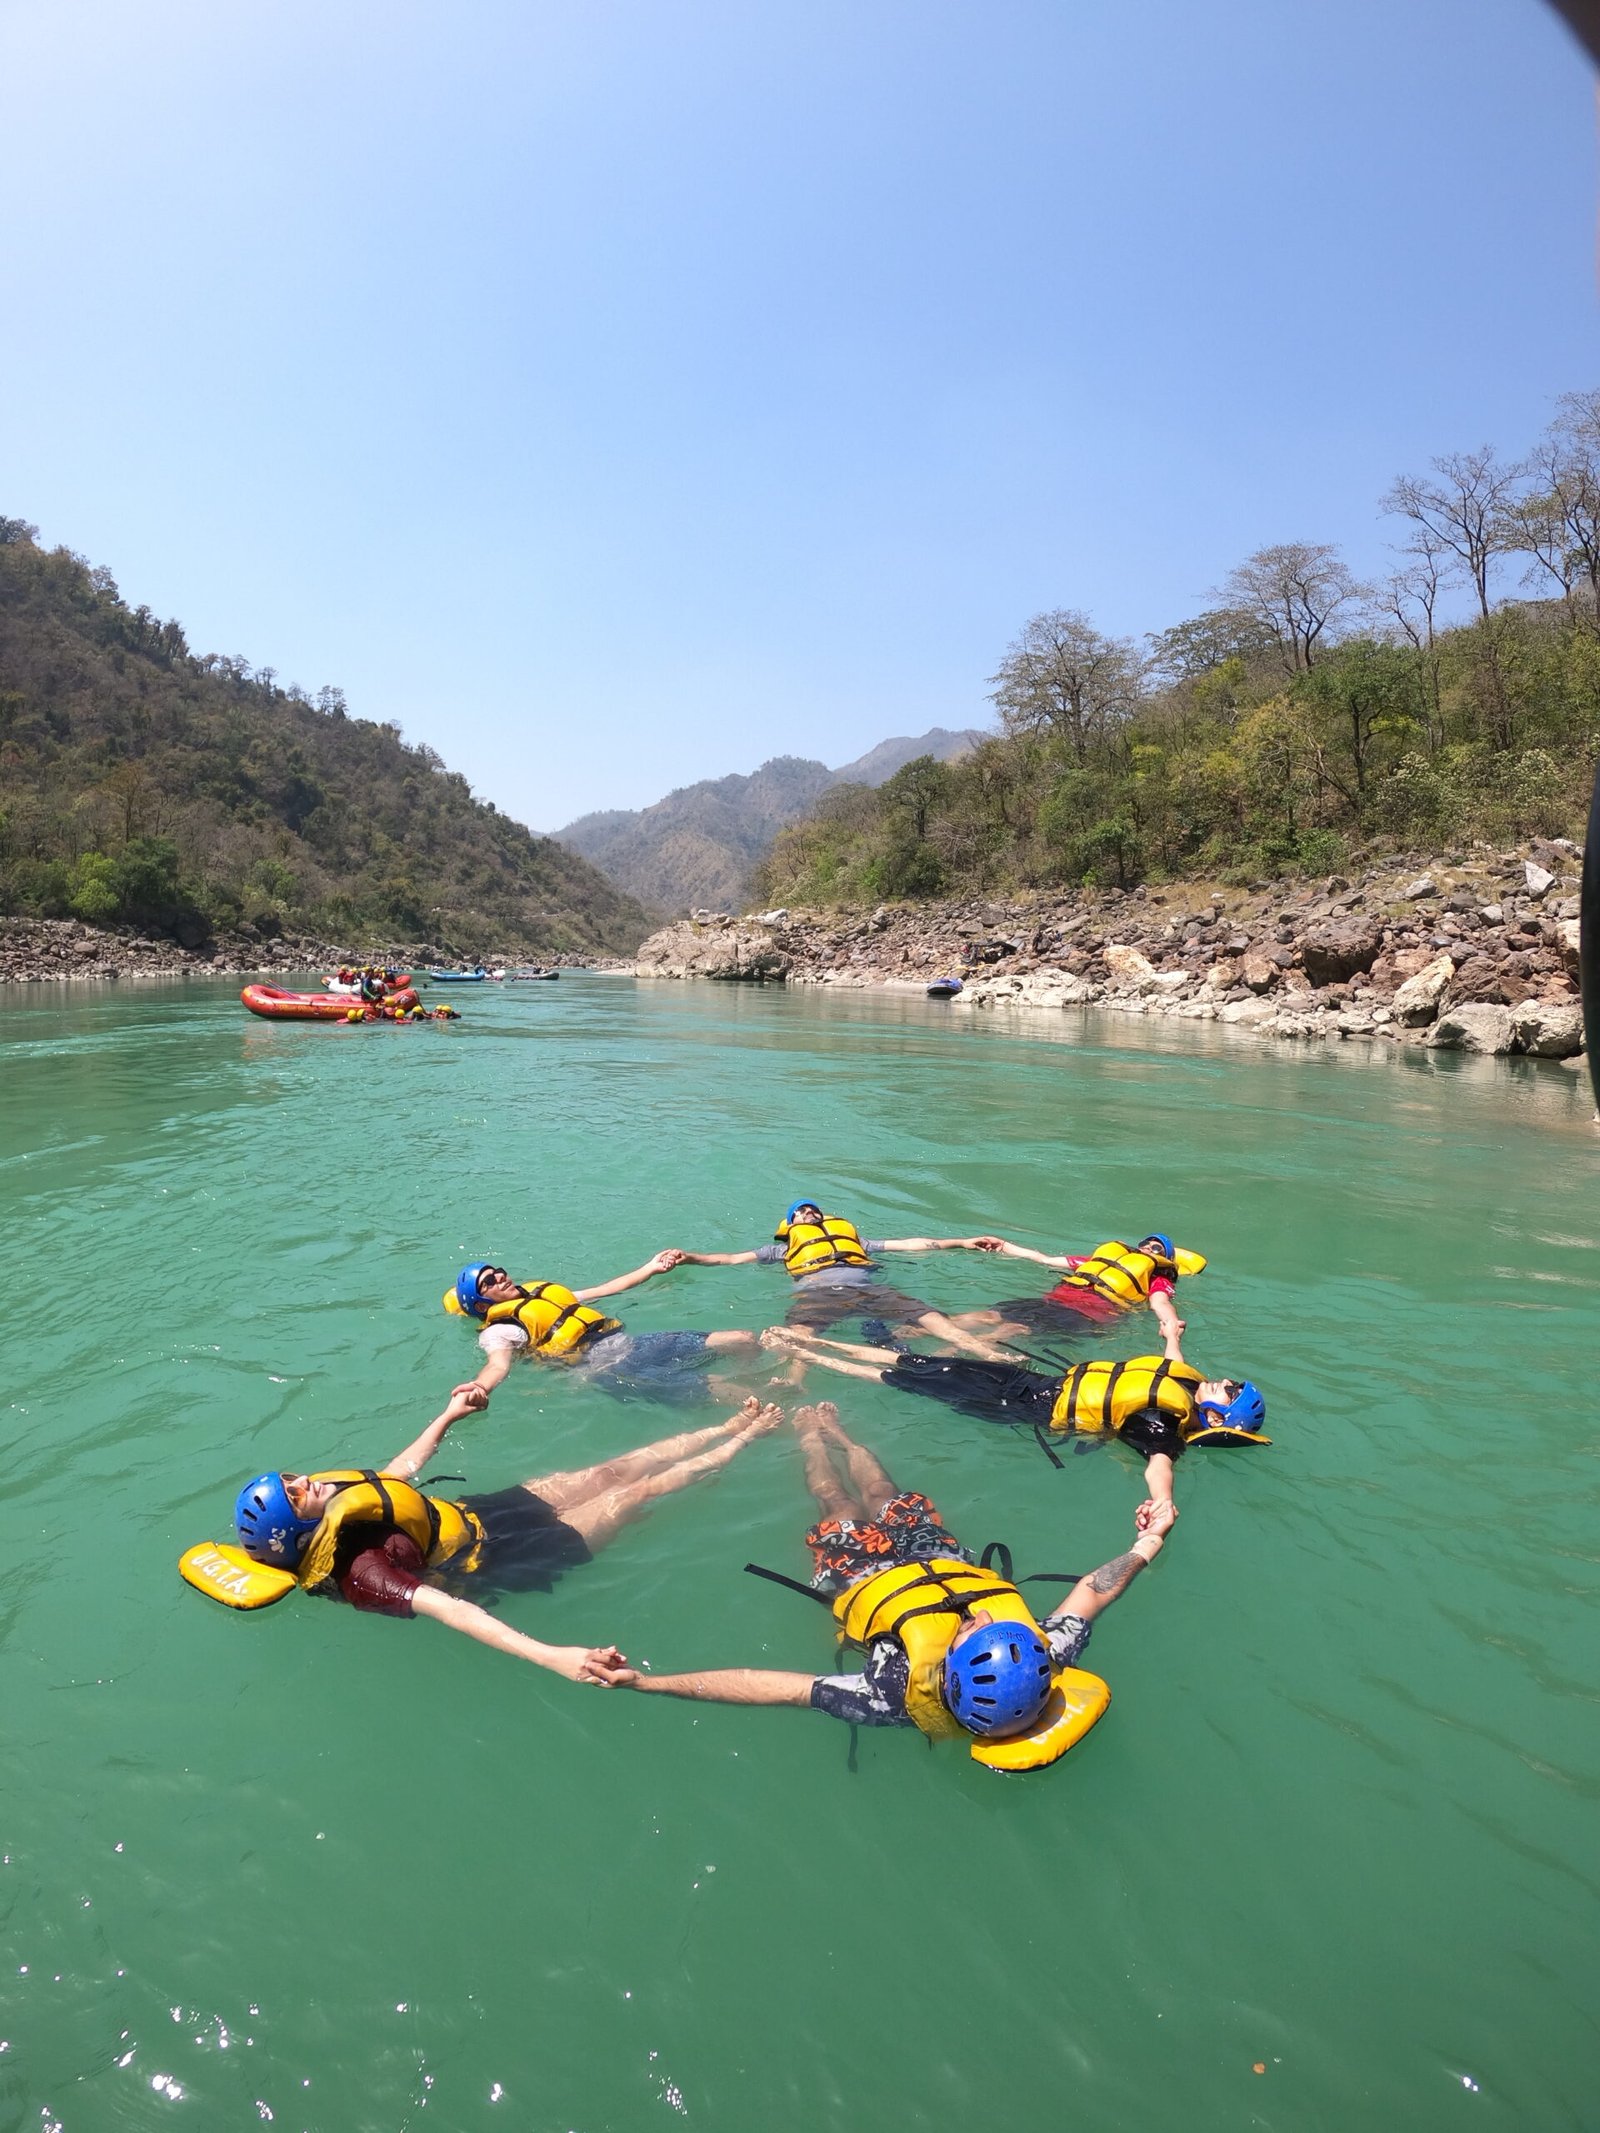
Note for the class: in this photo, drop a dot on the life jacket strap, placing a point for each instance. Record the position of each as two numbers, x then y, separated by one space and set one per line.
1001 1561
776 1577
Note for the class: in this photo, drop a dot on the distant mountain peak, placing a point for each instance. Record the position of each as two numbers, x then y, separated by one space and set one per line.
698 847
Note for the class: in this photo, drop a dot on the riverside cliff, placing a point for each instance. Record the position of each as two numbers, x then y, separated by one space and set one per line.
1476 952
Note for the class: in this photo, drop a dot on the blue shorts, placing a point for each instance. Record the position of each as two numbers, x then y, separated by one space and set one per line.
648 1366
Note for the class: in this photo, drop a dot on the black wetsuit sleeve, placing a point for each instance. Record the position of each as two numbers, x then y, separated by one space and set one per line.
1150 1431
874 1697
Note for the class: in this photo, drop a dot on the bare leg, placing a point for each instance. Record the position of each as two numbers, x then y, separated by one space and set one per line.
732 1338
563 1491
946 1329
834 1500
868 1475
600 1518
727 1392
790 1340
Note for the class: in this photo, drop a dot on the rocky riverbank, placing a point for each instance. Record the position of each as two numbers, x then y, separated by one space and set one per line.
1477 952
47 950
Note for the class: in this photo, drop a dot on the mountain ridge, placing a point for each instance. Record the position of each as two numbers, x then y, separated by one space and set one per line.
699 845
147 785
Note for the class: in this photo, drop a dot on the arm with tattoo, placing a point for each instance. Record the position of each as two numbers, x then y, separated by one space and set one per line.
1097 1591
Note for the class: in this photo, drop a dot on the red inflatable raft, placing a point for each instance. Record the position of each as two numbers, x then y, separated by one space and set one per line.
280 1006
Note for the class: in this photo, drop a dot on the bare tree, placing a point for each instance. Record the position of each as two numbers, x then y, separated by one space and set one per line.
1062 676
1407 602
1296 592
1558 522
1468 510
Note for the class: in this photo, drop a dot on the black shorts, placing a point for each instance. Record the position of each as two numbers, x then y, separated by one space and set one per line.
1041 1314
819 1305
526 1544
993 1392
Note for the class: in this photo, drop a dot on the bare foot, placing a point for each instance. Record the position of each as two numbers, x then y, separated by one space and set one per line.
764 1418
749 1408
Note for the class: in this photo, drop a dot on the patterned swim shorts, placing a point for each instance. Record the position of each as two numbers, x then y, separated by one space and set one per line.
908 1529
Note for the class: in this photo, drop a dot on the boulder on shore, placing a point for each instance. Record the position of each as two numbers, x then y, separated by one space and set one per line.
1416 1002
1473 1027
1549 1029
1127 966
714 947
1340 950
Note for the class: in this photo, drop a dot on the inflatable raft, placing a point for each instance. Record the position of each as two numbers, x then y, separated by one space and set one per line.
280 1006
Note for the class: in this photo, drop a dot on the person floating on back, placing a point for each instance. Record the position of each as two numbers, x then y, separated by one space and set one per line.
832 1267
1156 1404
373 1538
554 1324
950 1647
1096 1287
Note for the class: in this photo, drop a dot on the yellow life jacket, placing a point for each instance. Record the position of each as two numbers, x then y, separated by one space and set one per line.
1101 1396
810 1246
1119 1274
442 1530
550 1315
923 1605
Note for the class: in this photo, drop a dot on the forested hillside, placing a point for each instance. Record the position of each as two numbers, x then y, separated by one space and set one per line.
140 782
1302 721
701 844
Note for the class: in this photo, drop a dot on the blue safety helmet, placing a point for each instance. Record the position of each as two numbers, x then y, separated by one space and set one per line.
1167 1246
270 1529
467 1288
998 1679
1237 1420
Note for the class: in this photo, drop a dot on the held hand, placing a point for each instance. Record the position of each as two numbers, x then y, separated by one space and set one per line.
664 1262
985 1244
594 1664
474 1398
607 1668
1158 1516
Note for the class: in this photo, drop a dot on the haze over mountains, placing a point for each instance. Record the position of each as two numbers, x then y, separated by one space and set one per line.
697 848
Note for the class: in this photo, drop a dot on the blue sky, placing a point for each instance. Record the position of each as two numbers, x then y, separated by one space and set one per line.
617 392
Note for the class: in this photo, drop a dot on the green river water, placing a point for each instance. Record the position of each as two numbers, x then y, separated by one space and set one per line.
329 1871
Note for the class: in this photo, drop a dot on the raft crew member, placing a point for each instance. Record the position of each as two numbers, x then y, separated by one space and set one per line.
1156 1404
831 1265
557 1325
1096 1288
374 1539
980 1663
